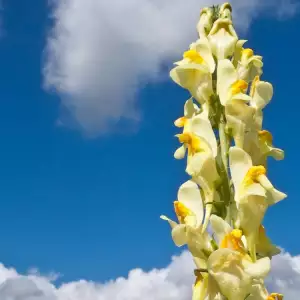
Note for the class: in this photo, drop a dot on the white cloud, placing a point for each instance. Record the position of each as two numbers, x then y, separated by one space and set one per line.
171 283
285 276
99 53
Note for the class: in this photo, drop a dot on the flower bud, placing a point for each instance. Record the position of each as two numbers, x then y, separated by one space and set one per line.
205 22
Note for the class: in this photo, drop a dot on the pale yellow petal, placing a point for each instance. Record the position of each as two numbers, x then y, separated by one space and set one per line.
187 74
171 222
208 212
200 262
201 126
274 196
189 194
239 117
254 189
190 108
240 110
180 152
225 266
240 162
251 211
259 269
181 77
179 235
277 153
199 243
241 97
264 245
202 89
222 38
262 95
178 232
203 164
226 76
238 129
257 61
220 227
203 47
238 51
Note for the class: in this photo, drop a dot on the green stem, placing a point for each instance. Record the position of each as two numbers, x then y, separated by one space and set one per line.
224 144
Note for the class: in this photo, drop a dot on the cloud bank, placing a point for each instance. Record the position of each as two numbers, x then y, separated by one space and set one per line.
99 53
171 283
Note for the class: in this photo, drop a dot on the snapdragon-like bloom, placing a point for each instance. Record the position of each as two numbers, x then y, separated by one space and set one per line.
235 273
226 147
194 71
226 236
232 93
201 165
197 135
199 140
222 36
248 65
258 142
254 193
190 213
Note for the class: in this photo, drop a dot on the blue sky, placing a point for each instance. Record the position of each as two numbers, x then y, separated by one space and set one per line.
89 207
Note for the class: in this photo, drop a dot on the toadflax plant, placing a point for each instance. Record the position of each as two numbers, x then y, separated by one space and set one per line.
226 148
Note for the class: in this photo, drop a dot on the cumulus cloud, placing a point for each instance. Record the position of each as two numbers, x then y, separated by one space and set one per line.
285 276
99 53
171 283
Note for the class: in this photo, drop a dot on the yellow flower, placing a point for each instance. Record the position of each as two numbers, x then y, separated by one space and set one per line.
201 164
198 135
261 93
266 145
190 111
259 144
253 194
223 37
227 237
199 140
250 180
235 273
232 93
248 65
202 168
194 71
190 213
191 141
229 86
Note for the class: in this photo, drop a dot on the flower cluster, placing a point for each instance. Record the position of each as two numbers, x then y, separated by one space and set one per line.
221 208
